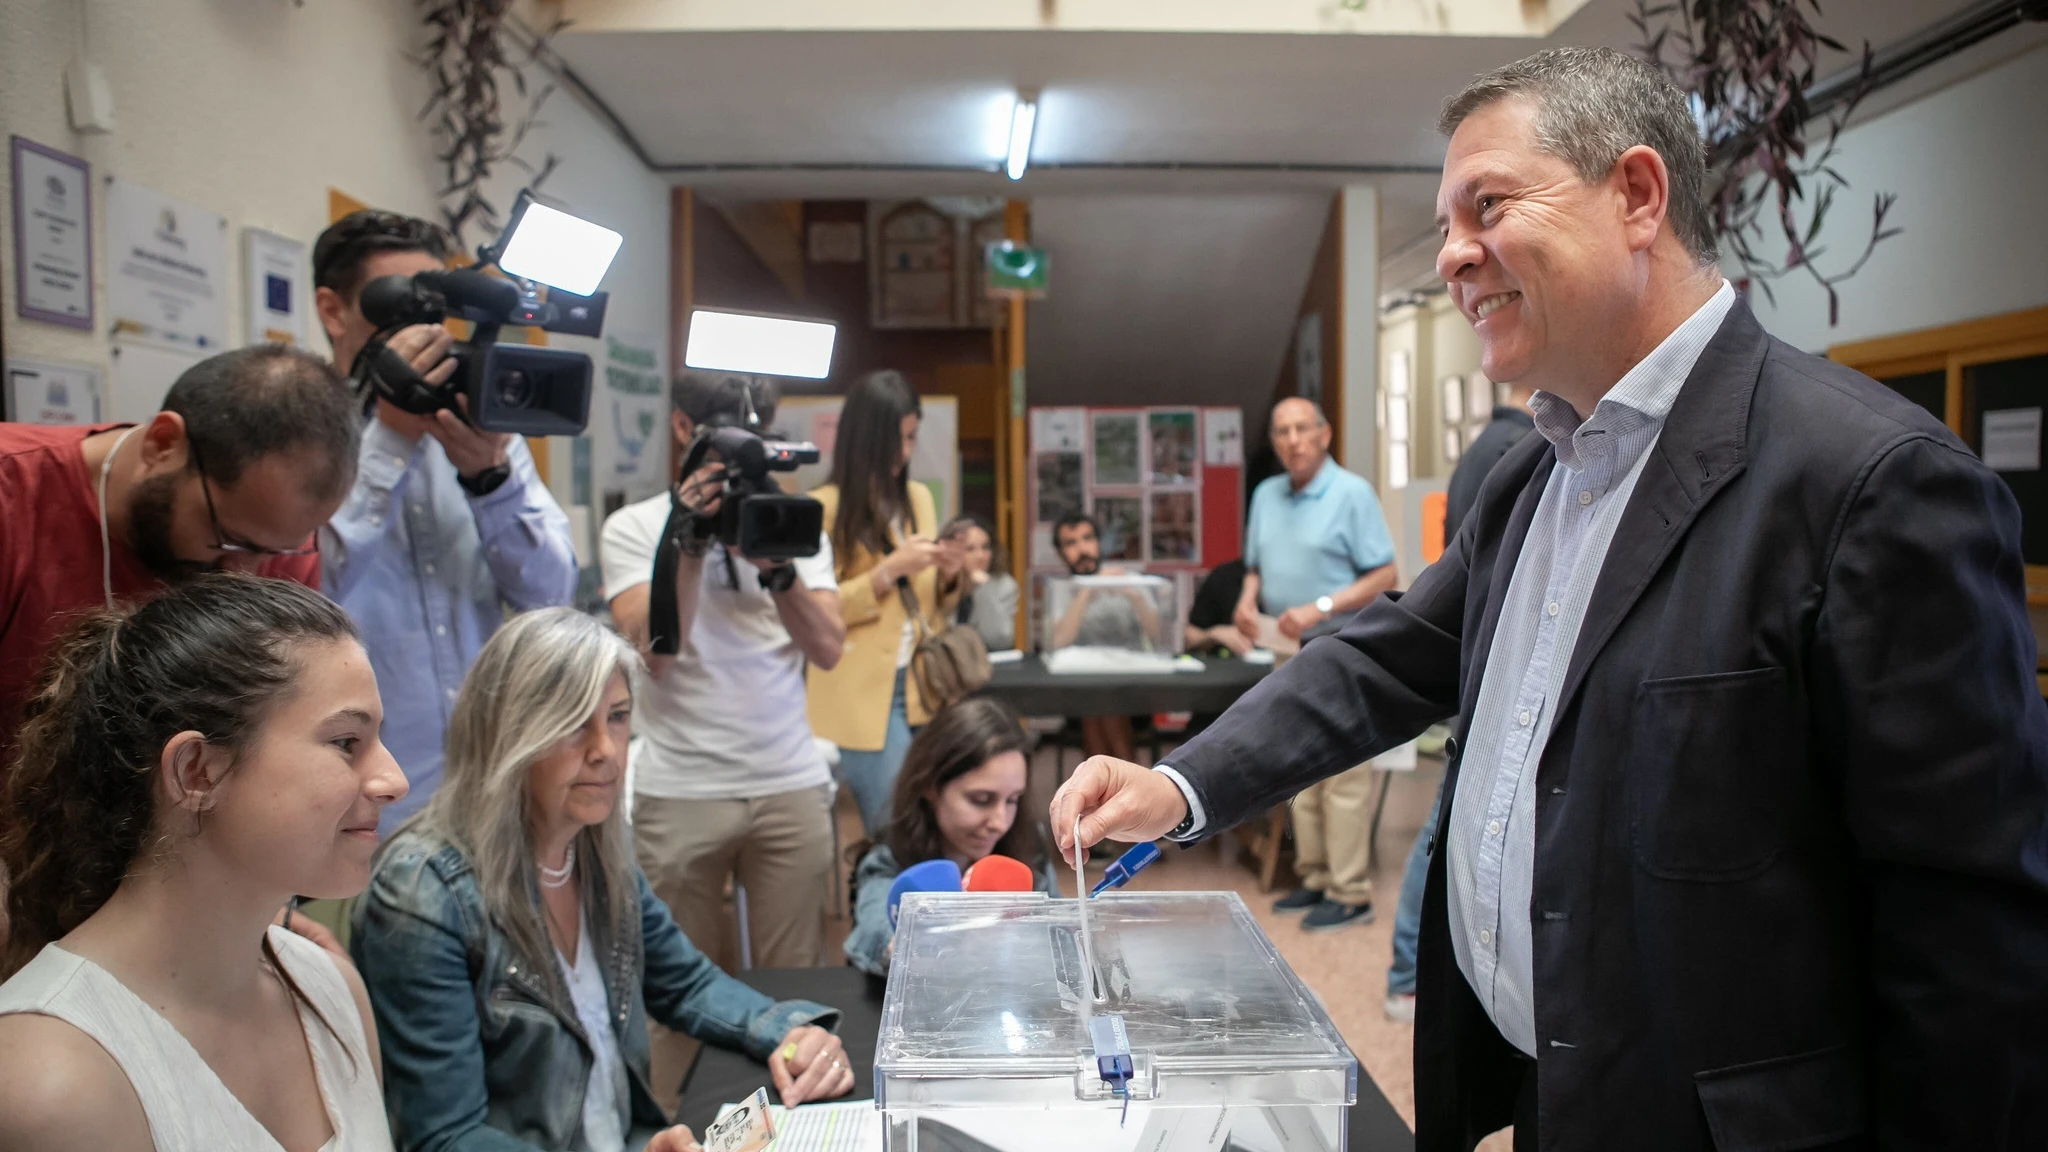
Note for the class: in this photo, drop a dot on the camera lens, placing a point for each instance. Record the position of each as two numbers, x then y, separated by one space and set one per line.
514 389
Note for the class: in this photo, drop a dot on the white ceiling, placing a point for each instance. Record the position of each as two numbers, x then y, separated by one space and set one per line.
1179 181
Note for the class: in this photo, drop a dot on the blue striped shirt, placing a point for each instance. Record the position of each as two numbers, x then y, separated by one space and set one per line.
1492 829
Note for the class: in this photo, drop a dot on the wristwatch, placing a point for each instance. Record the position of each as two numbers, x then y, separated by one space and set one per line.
1325 605
779 579
485 482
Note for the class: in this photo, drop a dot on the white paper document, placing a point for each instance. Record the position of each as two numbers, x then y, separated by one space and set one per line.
838 1126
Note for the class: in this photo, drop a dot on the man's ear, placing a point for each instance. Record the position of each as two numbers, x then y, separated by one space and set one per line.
1645 186
163 442
333 312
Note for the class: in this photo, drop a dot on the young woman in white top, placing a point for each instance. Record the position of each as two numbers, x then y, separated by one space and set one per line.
182 770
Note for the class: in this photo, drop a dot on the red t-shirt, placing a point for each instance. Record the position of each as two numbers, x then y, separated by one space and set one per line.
50 552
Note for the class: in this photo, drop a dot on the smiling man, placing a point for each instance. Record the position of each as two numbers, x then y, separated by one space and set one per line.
1745 842
252 451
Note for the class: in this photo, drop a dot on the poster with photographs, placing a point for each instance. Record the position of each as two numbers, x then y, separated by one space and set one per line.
1119 449
1173 447
1173 528
1059 485
1123 527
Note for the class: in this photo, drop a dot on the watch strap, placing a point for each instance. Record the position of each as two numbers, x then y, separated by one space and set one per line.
487 481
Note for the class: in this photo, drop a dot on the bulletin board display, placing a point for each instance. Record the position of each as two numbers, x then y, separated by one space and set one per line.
1165 484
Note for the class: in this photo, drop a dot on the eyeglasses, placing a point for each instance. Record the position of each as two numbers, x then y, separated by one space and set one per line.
220 543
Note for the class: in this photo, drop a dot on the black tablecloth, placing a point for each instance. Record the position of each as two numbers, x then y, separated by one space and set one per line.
1026 686
720 1076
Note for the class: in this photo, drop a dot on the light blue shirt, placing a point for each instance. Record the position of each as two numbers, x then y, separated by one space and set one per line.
427 574
1311 543
1492 830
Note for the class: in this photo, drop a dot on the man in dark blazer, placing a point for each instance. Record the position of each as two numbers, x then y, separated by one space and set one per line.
1746 844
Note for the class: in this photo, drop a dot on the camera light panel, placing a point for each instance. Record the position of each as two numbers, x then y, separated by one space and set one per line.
559 250
759 345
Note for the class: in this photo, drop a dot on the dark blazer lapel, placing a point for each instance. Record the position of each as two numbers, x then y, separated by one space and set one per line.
1701 449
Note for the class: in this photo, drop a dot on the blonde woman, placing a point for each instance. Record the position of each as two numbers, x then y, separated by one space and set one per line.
511 947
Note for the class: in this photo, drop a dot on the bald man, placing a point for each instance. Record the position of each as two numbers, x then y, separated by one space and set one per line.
1317 549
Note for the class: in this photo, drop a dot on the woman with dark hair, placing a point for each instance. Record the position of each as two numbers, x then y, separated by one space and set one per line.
513 950
893 571
988 600
957 799
182 770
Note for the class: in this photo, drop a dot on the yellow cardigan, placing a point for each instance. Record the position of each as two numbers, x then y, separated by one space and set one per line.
849 705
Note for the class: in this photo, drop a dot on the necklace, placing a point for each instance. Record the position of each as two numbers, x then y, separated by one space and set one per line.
556 877
106 549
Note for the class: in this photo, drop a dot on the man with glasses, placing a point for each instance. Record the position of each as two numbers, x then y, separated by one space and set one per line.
447 528
252 451
1316 550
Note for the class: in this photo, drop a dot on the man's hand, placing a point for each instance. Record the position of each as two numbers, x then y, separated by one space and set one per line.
701 493
1247 620
425 347
809 1065
1115 800
469 448
1299 619
676 1139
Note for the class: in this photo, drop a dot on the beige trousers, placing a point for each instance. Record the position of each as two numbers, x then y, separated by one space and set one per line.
1332 831
779 848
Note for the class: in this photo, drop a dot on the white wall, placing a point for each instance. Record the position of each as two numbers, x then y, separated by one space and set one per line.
1968 163
254 108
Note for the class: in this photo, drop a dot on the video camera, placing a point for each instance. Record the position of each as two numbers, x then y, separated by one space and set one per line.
755 518
510 387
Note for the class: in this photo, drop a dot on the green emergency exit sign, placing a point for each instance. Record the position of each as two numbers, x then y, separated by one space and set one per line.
1015 270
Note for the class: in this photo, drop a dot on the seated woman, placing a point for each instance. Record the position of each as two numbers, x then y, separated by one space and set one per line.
956 798
513 950
988 603
181 770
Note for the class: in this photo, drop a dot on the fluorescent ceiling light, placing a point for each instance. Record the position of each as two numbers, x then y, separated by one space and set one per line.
1023 118
559 250
759 345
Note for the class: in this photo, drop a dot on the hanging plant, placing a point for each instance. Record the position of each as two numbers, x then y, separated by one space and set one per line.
473 48
1748 65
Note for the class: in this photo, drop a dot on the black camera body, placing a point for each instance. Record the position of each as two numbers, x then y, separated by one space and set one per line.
755 517
512 388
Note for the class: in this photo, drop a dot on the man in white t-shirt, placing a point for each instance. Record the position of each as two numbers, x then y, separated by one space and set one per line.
729 782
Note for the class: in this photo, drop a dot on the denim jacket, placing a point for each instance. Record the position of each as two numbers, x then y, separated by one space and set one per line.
484 1054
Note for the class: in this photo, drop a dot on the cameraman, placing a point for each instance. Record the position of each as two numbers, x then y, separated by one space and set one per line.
447 526
729 782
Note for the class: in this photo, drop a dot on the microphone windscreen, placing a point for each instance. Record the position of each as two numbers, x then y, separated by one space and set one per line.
930 876
997 874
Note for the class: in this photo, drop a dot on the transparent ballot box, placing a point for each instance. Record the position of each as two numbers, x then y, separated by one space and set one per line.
1128 622
985 1047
